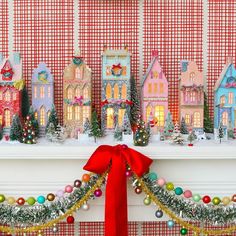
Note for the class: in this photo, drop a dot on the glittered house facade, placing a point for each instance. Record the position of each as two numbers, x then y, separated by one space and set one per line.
191 95
154 93
116 75
42 95
11 85
77 94
225 97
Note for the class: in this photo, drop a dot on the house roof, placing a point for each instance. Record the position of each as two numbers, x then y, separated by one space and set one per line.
221 77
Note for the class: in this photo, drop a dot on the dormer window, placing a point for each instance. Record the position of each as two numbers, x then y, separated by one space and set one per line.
7 96
78 73
192 77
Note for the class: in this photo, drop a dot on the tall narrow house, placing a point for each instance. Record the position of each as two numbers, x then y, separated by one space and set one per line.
191 95
11 85
42 95
155 93
116 75
77 94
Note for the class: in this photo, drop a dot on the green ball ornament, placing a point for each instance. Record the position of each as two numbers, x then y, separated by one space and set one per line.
153 176
31 201
170 186
147 201
178 191
216 201
2 198
183 231
196 197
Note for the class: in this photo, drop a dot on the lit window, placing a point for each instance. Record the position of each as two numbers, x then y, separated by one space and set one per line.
108 70
222 100
155 74
148 113
35 91
49 92
121 114
196 119
149 88
7 96
110 118
77 92
86 113
108 91
124 70
124 91
1 95
155 88
69 113
192 76
116 91
86 92
14 96
161 88
42 116
159 115
225 118
36 115
69 93
192 96
49 113
231 98
187 119
7 118
77 112
0 119
78 73
41 92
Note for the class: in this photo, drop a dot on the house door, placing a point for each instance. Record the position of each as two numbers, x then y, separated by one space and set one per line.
7 118
159 115
110 118
121 114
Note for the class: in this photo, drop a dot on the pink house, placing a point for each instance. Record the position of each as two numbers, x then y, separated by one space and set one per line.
155 93
191 95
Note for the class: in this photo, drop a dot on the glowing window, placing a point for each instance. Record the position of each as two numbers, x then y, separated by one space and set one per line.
86 92
7 118
1 95
78 73
0 119
196 119
77 112
110 118
225 118
49 92
86 113
108 91
121 114
222 100
41 92
155 74
49 113
148 112
192 96
149 88
14 96
124 72
187 119
192 76
42 116
69 93
35 91
108 70
155 88
159 115
116 91
77 92
161 88
7 96
124 91
36 115
69 113
231 98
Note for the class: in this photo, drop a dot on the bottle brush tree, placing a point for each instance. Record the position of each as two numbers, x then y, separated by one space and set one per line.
95 131
16 129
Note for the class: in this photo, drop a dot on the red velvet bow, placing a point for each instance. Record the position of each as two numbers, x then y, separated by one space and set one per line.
128 102
105 102
116 219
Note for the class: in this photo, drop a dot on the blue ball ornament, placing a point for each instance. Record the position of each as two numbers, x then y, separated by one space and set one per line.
159 213
170 223
178 191
153 176
41 199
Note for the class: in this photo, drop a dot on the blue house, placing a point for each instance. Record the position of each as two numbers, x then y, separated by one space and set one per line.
116 75
42 95
225 97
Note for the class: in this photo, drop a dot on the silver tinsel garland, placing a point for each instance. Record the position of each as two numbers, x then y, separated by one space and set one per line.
25 216
190 210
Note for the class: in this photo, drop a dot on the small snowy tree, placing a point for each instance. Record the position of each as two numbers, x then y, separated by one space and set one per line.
230 130
126 127
221 131
50 132
183 127
87 126
53 118
118 133
95 131
59 134
16 129
191 137
169 126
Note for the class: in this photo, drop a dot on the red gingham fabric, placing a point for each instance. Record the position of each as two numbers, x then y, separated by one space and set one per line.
43 31
111 23
221 40
219 227
175 29
4 27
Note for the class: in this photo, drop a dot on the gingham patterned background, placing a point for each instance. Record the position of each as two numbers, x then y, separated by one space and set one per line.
4 27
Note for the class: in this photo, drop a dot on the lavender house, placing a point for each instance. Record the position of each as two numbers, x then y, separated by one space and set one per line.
42 95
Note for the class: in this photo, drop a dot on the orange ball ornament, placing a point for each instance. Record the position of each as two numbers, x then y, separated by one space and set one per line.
50 197
234 198
85 178
20 201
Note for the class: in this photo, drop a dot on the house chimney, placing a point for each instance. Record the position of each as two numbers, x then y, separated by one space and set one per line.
126 47
16 58
183 65
154 53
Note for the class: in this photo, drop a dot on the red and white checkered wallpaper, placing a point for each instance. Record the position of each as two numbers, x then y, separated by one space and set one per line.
4 27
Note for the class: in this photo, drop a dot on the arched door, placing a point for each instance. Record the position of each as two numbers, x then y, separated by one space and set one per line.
110 118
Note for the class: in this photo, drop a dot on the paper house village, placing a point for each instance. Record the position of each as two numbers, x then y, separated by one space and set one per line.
123 110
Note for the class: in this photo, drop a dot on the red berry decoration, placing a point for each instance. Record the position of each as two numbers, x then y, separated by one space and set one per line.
234 198
206 199
70 219
20 201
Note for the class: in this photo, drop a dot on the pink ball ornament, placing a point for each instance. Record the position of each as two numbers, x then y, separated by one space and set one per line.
60 193
68 189
161 182
128 173
188 194
98 192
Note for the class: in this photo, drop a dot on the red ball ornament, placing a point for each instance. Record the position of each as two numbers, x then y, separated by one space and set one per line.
70 219
206 199
138 190
128 173
234 198
20 201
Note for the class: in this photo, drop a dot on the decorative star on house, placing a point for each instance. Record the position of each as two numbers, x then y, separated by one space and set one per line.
7 71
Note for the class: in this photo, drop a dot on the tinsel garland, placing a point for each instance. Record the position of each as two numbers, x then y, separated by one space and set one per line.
182 210
27 219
